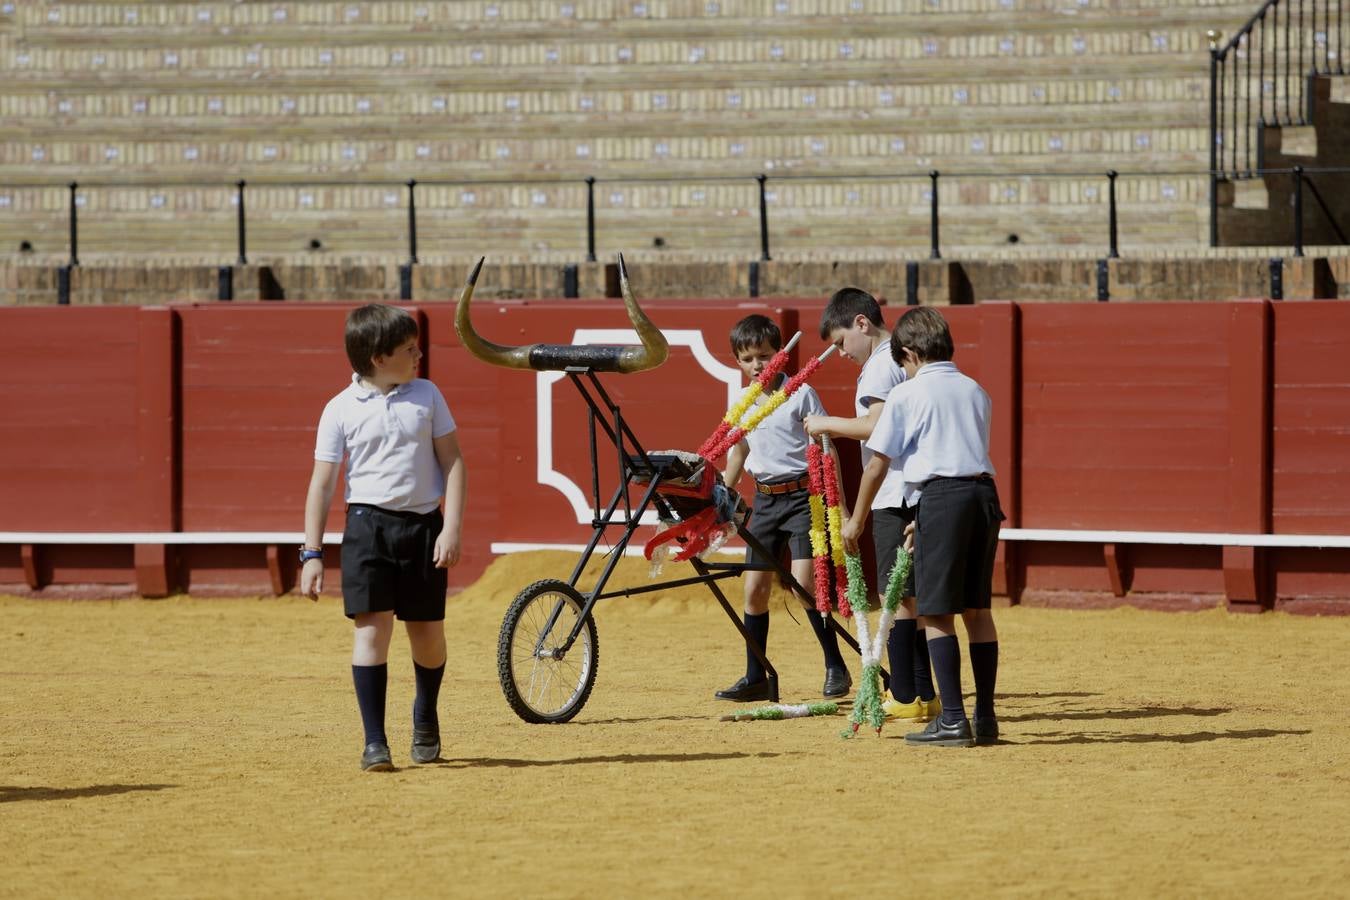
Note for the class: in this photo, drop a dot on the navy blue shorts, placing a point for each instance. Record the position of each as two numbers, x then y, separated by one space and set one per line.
888 535
387 564
778 519
955 537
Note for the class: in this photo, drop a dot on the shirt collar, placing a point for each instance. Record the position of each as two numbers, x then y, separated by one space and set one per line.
883 347
365 393
936 367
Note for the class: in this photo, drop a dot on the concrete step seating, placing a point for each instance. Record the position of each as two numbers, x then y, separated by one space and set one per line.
540 92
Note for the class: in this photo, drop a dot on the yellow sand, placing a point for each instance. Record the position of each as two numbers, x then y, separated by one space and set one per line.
205 747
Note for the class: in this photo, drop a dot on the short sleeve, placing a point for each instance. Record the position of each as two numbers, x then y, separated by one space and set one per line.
889 437
876 380
811 404
442 423
330 443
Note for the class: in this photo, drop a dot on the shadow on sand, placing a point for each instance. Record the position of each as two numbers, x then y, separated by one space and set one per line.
623 758
10 794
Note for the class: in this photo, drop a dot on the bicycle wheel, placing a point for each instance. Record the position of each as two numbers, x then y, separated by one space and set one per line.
544 684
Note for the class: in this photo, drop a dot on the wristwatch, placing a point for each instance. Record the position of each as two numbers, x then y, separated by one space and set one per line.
308 553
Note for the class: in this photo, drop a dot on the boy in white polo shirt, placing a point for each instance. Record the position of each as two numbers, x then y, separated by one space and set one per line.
775 454
852 321
937 425
398 438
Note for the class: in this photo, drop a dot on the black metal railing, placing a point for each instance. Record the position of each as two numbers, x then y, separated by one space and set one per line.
1302 178
763 184
1261 77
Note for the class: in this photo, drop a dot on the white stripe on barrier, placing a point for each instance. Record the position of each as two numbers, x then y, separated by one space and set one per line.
1080 536
162 537
503 547
1201 538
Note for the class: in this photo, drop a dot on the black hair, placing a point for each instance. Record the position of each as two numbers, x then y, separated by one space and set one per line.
754 330
924 331
845 306
376 330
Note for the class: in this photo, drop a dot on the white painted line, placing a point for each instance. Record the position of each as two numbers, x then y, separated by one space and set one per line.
162 537
1190 538
503 547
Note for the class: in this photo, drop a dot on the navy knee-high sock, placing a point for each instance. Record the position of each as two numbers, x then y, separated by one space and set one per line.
984 664
758 626
371 684
900 648
946 655
829 641
923 674
428 689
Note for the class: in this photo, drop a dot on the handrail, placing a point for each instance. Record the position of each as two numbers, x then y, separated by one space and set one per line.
760 180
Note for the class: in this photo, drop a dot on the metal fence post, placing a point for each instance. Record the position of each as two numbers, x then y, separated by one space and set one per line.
1298 210
239 215
934 252
1213 138
590 219
412 221
763 217
1111 194
74 228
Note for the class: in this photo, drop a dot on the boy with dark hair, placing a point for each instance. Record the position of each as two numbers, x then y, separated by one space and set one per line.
853 322
775 454
398 438
937 425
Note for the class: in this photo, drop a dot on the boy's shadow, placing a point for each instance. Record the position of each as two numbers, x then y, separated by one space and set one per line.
10 794
623 758
1143 712
1196 737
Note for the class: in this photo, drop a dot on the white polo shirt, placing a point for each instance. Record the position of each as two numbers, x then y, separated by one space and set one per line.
937 423
386 439
778 445
879 374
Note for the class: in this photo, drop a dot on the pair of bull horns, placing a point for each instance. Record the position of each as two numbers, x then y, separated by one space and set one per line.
624 358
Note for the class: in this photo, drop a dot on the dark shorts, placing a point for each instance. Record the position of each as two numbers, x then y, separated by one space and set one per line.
955 536
778 519
888 534
387 564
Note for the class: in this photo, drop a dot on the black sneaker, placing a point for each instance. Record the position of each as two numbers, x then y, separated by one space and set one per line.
837 682
426 743
744 691
376 758
986 730
940 734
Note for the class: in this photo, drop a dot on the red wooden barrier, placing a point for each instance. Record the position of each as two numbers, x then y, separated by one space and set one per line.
1133 417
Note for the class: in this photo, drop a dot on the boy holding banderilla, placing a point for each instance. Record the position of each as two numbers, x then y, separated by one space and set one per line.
937 425
853 322
398 437
775 455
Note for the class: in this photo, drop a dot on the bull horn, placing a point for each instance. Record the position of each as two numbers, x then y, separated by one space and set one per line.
623 358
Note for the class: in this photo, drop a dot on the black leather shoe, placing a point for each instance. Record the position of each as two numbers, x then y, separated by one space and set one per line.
426 743
986 730
940 734
837 682
376 758
743 691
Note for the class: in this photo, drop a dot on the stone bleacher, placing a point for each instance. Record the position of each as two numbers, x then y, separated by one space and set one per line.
535 95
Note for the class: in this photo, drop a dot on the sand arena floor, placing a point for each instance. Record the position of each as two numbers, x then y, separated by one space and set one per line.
209 748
